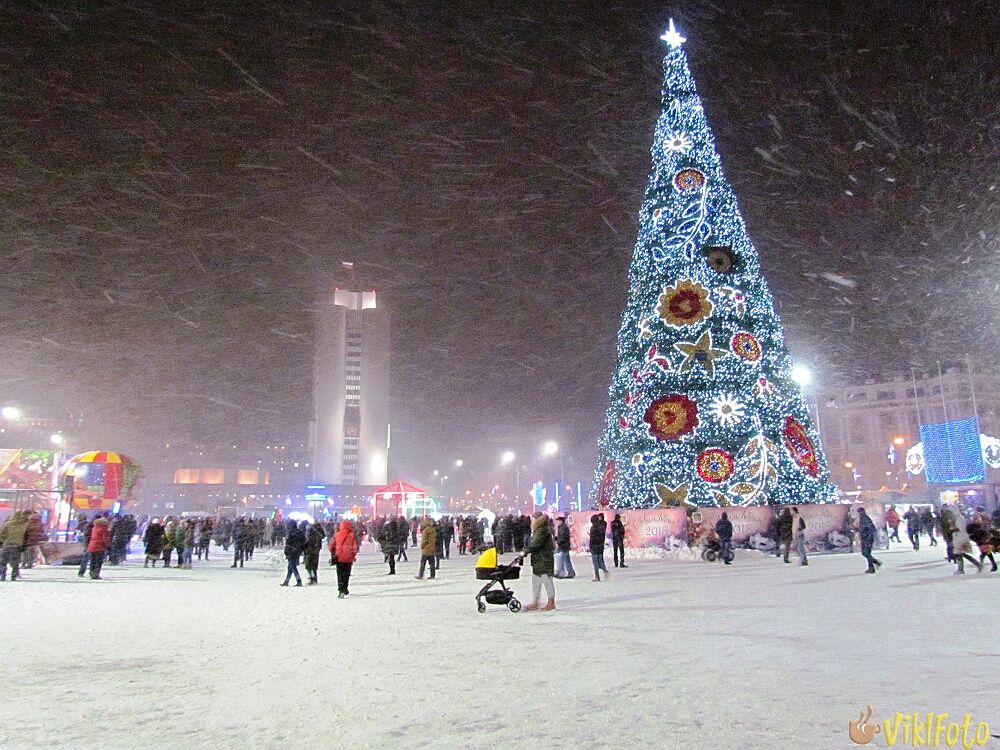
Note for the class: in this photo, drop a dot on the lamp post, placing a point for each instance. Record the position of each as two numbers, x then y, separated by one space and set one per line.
551 448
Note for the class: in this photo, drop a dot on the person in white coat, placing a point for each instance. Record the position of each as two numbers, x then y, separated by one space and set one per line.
961 544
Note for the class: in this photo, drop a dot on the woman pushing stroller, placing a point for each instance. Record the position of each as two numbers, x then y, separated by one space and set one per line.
541 549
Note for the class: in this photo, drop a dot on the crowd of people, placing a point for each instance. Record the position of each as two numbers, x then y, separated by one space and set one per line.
962 536
106 538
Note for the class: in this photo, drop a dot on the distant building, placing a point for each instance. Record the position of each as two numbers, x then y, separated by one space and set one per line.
867 429
350 434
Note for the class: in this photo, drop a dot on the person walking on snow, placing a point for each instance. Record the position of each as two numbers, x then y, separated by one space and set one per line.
11 539
892 518
205 539
345 552
402 537
540 548
927 524
868 532
100 540
618 541
724 529
783 532
961 544
912 518
598 530
314 544
153 539
387 540
169 529
564 567
239 542
295 542
799 532
428 547
986 540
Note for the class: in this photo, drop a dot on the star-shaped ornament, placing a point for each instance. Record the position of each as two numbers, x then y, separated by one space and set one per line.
701 352
672 37
672 497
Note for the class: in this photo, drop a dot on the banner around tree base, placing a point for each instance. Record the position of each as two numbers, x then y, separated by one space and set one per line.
830 527
666 528
827 527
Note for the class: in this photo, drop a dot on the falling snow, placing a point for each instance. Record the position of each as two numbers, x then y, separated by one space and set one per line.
180 183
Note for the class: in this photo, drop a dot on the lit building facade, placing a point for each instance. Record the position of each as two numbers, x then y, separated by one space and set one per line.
867 429
350 432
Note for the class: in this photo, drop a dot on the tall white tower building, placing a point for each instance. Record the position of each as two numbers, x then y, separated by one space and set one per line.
351 390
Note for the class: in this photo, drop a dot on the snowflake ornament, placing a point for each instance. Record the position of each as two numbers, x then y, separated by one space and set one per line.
727 410
678 143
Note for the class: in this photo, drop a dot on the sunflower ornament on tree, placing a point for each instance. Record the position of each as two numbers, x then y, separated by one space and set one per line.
703 407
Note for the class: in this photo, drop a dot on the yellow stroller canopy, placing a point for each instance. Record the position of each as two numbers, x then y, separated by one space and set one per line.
488 559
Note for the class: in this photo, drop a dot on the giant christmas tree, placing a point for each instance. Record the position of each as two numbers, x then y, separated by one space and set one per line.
703 407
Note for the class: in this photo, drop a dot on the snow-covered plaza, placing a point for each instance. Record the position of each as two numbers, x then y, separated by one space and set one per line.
666 654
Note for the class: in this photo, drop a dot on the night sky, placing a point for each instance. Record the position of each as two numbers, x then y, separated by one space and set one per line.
181 180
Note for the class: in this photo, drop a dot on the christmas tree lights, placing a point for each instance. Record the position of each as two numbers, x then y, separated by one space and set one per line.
703 407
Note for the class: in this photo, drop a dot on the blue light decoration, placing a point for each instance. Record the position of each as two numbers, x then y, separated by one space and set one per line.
316 493
703 409
538 493
952 452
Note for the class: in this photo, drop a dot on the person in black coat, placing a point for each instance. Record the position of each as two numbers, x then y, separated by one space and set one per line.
153 539
564 565
598 531
912 518
239 542
387 539
868 533
402 537
783 532
618 541
295 543
724 528
314 544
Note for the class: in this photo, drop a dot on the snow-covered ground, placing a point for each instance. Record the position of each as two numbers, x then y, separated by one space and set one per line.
667 654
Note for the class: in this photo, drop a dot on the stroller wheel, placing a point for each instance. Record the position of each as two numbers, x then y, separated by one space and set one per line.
481 607
514 605
709 555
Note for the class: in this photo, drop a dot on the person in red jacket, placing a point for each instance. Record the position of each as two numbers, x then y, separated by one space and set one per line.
345 551
100 540
892 519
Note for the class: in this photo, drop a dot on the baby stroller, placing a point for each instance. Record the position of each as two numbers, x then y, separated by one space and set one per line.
488 569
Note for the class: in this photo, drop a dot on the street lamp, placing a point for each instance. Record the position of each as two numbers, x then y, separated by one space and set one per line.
11 412
507 457
898 440
459 463
57 439
802 375
551 448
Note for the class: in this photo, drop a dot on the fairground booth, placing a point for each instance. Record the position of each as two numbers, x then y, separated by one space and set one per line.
402 499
